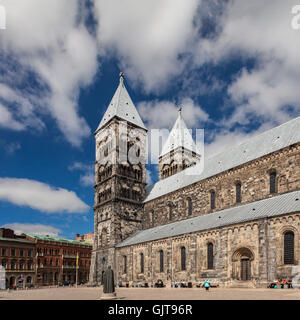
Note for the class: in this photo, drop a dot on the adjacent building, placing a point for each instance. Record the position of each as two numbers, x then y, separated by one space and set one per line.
17 255
38 260
58 260
236 222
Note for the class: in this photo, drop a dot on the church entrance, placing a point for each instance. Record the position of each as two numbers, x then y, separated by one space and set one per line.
245 269
241 264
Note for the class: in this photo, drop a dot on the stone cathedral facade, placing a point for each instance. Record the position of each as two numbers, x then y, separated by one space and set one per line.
236 222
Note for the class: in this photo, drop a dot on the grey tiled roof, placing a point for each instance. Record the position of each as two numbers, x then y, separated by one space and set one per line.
275 206
256 147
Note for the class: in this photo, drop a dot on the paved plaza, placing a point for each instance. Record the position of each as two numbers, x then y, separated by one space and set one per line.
85 293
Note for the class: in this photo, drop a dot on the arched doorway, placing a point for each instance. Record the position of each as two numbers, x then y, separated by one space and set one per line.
241 264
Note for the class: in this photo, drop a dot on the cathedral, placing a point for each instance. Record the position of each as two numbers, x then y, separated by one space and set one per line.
233 218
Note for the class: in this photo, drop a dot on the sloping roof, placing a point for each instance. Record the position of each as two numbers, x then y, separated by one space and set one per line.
122 106
256 147
275 206
55 239
179 137
16 240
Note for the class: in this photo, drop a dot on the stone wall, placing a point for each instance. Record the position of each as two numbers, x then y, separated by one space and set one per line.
261 240
254 179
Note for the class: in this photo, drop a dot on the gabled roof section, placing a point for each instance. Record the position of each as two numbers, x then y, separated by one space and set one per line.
179 136
122 106
267 208
258 146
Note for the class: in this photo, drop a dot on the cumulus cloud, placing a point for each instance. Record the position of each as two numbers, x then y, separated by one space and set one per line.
163 114
259 30
39 229
147 36
51 46
87 179
40 196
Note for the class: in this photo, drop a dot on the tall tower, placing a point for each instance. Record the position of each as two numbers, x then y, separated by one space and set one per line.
120 179
179 151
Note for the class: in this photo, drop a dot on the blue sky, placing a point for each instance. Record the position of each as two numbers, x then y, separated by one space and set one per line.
233 65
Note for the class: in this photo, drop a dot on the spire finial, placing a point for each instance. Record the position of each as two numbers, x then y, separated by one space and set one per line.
179 110
121 76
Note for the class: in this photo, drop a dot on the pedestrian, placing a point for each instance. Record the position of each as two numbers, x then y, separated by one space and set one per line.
206 284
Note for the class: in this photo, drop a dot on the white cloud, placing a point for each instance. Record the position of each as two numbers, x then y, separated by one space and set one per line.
39 229
260 30
40 196
147 36
87 179
51 42
163 114
7 120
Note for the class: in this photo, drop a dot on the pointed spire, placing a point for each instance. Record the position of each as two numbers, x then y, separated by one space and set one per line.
121 106
179 136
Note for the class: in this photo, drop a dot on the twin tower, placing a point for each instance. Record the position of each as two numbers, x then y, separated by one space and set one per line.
120 174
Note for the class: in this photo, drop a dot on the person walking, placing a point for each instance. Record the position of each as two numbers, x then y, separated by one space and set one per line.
206 285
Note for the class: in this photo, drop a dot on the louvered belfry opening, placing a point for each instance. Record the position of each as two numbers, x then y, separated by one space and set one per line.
289 247
210 256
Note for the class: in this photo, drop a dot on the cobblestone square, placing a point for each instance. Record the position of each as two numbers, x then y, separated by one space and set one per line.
85 293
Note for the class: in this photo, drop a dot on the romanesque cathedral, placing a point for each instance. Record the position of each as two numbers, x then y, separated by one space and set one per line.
236 222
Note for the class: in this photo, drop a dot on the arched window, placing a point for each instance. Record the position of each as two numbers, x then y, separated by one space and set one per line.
142 262
238 192
124 264
161 261
273 182
189 206
183 258
210 256
212 199
289 247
